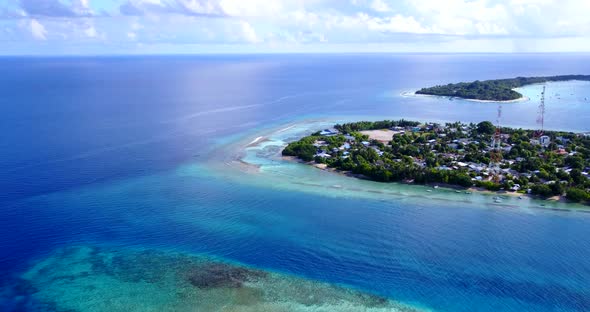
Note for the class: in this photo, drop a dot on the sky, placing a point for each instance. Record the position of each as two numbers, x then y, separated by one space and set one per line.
104 27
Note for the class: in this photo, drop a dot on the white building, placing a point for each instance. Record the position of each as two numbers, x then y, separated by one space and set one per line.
545 140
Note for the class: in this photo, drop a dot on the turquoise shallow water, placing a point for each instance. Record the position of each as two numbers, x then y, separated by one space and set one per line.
108 278
118 186
562 100
395 241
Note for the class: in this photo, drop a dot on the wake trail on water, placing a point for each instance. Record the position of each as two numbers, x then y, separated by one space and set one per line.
209 112
239 107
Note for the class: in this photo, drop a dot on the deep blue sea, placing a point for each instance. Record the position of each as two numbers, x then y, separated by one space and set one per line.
95 151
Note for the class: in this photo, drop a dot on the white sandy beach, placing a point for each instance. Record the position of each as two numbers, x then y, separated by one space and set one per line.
413 94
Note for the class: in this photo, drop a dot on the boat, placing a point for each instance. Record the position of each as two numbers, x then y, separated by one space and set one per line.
436 186
497 200
519 197
428 190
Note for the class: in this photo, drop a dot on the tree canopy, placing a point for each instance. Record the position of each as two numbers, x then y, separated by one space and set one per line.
493 90
455 154
485 127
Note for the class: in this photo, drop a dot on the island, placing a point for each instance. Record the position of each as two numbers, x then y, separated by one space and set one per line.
497 90
554 164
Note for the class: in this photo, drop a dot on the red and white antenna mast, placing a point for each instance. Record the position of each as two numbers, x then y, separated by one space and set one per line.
541 114
496 151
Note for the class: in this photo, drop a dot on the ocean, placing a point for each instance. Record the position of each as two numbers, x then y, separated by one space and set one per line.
143 158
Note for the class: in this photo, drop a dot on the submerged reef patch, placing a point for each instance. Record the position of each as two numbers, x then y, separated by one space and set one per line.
213 275
90 278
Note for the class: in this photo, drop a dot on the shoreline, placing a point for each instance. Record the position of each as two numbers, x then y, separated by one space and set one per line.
239 148
449 187
414 94
522 82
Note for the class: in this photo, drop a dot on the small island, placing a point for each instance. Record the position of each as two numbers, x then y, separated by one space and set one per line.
498 90
554 164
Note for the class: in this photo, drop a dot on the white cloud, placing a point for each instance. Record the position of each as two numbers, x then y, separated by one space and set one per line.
136 25
248 33
251 8
91 32
530 18
304 18
303 22
380 6
38 30
462 17
448 17
397 24
198 6
82 5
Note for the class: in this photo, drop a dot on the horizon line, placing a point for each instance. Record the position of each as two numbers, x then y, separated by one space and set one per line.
279 53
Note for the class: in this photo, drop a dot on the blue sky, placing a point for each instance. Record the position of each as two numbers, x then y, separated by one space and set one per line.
62 27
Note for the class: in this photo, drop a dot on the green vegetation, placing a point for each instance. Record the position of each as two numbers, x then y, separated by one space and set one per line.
305 149
577 195
493 90
555 164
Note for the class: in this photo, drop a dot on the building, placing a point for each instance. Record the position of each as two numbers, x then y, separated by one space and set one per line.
545 140
320 143
328 132
345 146
562 140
